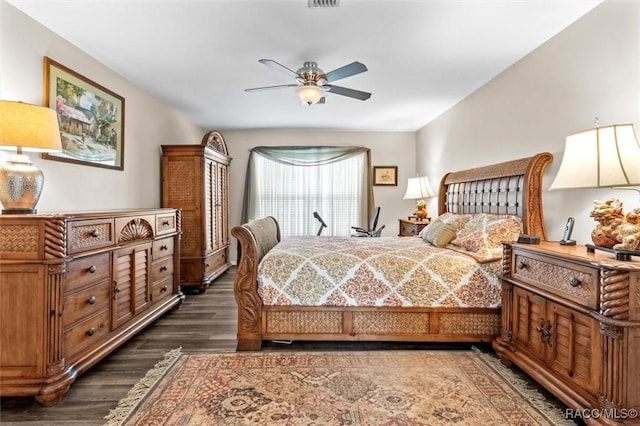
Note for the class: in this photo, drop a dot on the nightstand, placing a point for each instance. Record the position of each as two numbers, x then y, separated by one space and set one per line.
571 320
409 228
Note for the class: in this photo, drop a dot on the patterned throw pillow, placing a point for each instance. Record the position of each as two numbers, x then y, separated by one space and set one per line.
482 235
438 233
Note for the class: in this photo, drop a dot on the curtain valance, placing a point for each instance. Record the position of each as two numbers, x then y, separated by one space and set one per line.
308 155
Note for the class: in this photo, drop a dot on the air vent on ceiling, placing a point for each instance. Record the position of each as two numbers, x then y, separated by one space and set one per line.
324 3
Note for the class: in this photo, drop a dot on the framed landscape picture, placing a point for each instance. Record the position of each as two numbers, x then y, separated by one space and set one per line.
91 118
385 175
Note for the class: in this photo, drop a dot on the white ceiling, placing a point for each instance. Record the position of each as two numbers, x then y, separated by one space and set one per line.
199 55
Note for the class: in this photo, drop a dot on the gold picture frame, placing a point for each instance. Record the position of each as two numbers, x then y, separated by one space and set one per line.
385 175
91 118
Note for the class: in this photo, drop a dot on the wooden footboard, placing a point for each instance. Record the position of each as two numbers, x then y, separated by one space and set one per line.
380 324
512 188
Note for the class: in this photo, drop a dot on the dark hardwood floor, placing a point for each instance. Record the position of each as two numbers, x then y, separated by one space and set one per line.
204 323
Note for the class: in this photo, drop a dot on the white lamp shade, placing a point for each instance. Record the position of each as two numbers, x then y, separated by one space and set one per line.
417 188
309 94
600 157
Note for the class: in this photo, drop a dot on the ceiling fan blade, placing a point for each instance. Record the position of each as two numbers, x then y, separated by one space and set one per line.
275 65
344 91
345 71
281 86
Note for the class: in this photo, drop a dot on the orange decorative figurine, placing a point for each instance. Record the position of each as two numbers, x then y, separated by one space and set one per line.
421 210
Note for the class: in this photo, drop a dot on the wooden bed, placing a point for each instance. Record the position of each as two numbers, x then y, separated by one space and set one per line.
509 188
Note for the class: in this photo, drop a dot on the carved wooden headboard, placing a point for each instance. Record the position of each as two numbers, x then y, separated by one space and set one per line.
513 187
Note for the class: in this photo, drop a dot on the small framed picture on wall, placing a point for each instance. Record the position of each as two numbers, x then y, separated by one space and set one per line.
385 175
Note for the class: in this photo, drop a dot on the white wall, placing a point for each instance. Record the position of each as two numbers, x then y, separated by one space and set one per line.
387 149
148 122
590 69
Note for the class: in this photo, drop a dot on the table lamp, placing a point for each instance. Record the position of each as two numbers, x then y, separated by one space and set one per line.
419 188
603 157
24 127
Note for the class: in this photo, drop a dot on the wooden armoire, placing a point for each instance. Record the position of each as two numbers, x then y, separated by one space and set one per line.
195 178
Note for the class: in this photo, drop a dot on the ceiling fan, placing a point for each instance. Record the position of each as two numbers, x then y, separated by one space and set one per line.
312 82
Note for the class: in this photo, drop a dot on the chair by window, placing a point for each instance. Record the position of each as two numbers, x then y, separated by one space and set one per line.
322 224
372 231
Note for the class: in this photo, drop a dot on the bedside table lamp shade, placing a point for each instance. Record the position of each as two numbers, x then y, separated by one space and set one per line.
24 127
604 157
419 188
601 157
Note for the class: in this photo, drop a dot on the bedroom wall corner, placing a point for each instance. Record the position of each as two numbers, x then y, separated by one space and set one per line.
149 122
590 69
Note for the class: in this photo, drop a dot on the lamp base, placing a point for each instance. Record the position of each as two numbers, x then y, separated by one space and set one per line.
20 185
19 211
620 254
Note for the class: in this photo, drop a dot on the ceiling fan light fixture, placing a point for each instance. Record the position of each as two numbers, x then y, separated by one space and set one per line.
309 94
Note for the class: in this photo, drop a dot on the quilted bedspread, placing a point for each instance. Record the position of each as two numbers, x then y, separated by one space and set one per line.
386 271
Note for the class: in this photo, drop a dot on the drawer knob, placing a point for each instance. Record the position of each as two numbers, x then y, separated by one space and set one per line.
163 268
92 300
164 289
95 233
522 265
574 282
164 247
92 269
165 223
91 331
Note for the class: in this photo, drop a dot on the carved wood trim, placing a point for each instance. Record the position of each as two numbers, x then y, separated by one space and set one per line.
136 229
215 141
245 287
506 260
55 238
614 294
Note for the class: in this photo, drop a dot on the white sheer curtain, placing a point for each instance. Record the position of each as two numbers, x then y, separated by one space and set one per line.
338 190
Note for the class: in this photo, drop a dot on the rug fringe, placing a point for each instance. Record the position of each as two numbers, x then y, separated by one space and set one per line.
118 415
538 400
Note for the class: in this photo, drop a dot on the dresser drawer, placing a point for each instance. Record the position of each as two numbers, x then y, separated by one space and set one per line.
132 228
215 262
574 282
86 303
161 289
87 270
91 234
165 223
87 333
161 268
162 248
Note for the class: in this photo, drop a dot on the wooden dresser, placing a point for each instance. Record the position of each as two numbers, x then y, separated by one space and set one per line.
571 320
75 286
195 179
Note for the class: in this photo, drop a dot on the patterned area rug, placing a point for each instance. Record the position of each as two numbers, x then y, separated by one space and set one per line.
395 387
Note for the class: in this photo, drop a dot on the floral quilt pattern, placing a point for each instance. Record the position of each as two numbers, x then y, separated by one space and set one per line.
386 271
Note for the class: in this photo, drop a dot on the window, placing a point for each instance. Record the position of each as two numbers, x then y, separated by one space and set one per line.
290 183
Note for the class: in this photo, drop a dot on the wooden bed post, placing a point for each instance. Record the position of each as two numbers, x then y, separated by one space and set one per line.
246 292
